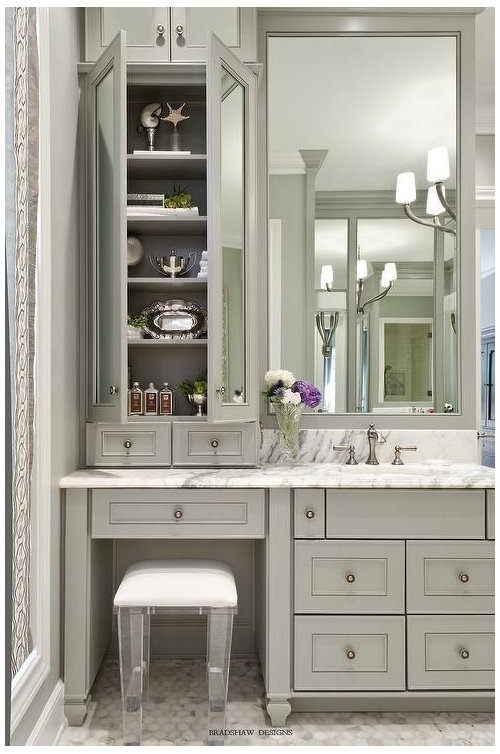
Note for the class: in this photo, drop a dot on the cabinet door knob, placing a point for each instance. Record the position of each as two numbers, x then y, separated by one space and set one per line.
464 654
221 390
161 30
464 577
127 444
178 515
350 578
350 654
179 29
214 443
113 390
310 514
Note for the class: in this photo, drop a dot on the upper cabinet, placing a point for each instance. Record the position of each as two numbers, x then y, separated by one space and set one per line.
170 34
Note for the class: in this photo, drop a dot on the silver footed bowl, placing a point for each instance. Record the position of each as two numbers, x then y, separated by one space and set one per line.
199 401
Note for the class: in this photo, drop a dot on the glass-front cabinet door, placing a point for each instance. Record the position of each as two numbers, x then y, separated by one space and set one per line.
106 229
233 381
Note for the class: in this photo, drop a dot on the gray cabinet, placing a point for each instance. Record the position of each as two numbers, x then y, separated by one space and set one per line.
120 445
235 27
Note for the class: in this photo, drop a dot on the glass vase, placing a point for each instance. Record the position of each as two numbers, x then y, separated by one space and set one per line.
288 416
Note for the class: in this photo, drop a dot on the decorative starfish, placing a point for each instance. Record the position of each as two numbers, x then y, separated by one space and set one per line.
174 116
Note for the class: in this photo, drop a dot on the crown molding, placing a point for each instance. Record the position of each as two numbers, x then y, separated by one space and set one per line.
286 163
485 194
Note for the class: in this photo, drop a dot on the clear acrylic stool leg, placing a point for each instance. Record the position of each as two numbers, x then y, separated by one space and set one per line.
131 636
219 636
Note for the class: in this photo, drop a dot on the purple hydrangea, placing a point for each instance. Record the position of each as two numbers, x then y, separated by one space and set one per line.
309 393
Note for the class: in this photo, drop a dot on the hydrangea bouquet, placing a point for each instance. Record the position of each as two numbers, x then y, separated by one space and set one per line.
289 397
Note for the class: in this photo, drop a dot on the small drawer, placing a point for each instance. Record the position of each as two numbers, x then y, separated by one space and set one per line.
451 652
450 577
405 514
309 514
188 514
345 576
122 445
349 653
197 444
490 514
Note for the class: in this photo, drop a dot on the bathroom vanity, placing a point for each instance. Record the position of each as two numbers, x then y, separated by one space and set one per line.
373 588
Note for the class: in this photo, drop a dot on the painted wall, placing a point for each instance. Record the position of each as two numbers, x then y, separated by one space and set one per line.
485 160
62 258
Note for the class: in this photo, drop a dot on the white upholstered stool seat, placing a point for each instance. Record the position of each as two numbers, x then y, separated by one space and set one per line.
204 587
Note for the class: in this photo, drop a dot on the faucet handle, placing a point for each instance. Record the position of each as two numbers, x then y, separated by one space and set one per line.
351 461
397 453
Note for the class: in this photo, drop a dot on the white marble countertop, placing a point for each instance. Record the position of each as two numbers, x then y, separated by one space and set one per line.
424 476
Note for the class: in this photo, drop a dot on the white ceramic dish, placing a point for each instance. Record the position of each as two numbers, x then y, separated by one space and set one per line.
135 251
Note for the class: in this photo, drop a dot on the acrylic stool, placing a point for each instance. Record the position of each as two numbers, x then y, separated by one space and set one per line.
200 587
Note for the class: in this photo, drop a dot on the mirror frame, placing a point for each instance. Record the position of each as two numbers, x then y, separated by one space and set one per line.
456 22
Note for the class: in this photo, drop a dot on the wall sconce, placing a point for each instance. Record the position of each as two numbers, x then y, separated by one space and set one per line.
326 281
387 280
438 170
327 337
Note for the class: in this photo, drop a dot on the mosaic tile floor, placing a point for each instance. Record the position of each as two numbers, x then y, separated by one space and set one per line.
176 715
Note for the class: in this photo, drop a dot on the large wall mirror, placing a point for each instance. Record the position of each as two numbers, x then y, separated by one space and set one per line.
363 300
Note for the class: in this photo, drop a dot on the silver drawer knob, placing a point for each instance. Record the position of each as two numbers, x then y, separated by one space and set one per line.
113 390
127 444
464 654
310 514
161 30
178 515
179 29
350 578
214 443
464 577
350 654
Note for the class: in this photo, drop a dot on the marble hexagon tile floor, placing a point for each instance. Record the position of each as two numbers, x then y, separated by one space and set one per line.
176 716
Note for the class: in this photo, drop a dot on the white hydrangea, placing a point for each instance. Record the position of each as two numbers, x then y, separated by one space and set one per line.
274 375
291 397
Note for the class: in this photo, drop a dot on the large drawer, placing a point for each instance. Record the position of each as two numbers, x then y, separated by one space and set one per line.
349 653
197 444
188 514
451 652
405 514
124 445
450 577
309 514
345 576
490 514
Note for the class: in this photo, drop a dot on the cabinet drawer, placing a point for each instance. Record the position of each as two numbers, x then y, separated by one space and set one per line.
215 444
450 577
309 514
405 514
188 514
347 576
451 652
122 445
349 653
490 514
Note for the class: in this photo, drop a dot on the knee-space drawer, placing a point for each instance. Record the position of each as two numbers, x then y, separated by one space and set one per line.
196 444
124 445
451 652
345 576
349 653
180 514
450 577
405 514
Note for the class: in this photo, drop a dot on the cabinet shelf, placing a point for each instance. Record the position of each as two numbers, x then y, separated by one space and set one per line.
166 284
163 343
150 225
163 166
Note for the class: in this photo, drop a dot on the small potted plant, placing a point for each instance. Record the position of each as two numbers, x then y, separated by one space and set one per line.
135 325
196 392
180 202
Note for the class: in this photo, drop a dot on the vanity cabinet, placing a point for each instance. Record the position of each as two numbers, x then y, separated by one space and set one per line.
215 163
165 34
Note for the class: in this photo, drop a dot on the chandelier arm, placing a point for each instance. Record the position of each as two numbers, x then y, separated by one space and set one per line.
442 199
427 223
383 294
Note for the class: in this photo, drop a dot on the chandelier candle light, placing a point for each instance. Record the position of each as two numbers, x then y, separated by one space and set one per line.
289 397
387 280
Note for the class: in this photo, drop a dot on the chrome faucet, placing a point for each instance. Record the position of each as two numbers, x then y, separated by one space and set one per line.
373 437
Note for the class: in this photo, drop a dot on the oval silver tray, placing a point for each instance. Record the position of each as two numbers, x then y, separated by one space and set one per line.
175 320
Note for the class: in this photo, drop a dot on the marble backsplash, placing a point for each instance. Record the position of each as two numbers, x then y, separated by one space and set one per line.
316 445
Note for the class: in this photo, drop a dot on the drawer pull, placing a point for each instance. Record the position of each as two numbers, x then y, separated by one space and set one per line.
127 444
160 29
350 578
350 654
214 443
464 654
179 29
464 577
310 514
178 515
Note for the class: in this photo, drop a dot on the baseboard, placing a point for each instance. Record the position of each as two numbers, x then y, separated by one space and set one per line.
404 701
51 723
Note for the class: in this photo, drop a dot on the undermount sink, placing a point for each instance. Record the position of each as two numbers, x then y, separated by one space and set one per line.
388 468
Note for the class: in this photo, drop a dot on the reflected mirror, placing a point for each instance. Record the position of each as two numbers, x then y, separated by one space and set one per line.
362 298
